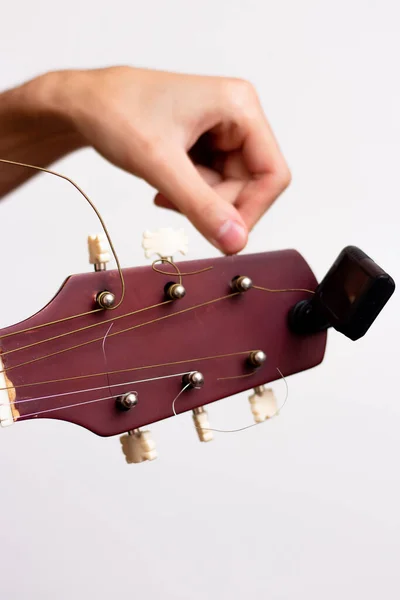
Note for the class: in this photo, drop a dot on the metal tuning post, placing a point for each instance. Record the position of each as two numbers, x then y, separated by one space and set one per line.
138 446
194 380
256 358
202 425
166 243
241 284
263 404
99 251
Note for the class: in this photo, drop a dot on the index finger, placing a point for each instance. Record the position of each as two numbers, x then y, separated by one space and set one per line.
268 168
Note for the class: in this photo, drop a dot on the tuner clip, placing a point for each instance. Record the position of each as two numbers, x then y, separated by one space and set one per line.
349 298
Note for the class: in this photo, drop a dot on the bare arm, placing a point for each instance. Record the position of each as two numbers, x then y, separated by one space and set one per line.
202 142
31 132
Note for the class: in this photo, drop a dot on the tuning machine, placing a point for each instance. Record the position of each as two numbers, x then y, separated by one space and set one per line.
165 242
138 446
202 425
99 251
263 404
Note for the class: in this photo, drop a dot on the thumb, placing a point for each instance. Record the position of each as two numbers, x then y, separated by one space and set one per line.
177 179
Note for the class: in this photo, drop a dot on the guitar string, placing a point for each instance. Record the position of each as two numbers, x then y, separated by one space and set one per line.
276 413
109 386
137 368
185 387
93 389
258 287
40 326
129 314
107 373
236 376
61 335
95 209
103 347
145 367
112 397
139 325
25 165
55 322
178 272
34 167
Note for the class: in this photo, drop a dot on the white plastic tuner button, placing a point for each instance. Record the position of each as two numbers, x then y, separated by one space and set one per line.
263 404
200 419
99 251
138 446
165 242
6 411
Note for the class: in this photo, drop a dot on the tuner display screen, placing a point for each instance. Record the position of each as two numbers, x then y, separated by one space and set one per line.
343 287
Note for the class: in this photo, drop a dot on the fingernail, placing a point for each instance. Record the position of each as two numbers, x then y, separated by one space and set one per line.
231 237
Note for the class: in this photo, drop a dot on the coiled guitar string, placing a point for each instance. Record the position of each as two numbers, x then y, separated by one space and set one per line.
100 218
278 410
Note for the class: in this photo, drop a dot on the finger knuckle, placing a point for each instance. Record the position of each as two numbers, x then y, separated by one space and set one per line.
153 148
242 95
280 178
284 178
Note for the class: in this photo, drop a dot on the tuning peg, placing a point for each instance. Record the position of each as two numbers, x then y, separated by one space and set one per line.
165 242
200 419
263 404
99 251
138 446
7 397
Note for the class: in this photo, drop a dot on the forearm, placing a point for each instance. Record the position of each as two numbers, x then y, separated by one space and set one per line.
32 130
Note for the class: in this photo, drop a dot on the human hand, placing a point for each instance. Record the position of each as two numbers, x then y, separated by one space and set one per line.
203 142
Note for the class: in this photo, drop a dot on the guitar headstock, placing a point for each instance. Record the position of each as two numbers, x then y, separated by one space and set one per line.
114 370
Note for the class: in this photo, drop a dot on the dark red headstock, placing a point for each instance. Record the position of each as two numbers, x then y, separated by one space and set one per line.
60 371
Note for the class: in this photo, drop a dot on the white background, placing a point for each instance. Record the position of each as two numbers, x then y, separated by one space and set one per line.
306 506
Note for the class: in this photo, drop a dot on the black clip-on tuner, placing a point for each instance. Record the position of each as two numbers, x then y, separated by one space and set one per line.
349 298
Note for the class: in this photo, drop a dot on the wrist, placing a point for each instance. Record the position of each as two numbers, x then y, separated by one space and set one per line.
40 106
33 130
